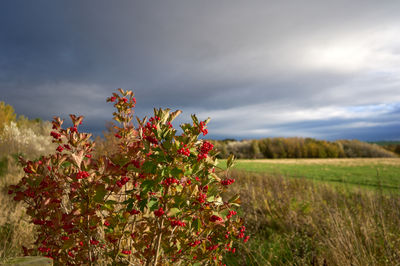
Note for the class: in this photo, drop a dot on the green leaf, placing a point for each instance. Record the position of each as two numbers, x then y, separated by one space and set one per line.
109 204
149 167
195 120
122 161
142 204
224 213
173 211
129 207
152 204
210 199
161 158
68 243
179 188
231 161
100 193
235 201
196 224
146 186
131 167
167 144
176 172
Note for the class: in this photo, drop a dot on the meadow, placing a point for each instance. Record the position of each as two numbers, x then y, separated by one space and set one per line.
369 173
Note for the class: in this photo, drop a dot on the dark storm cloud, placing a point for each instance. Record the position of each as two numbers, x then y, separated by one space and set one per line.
240 62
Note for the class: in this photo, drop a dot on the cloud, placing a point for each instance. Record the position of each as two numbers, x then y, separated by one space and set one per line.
257 68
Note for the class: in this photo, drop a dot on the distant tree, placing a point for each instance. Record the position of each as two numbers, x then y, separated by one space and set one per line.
255 149
7 114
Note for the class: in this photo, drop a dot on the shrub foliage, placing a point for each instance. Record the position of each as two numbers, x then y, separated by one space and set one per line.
155 201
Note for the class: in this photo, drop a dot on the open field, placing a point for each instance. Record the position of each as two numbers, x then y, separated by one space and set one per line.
299 222
364 172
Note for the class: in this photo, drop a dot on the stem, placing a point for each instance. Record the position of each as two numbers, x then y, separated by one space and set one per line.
88 233
158 242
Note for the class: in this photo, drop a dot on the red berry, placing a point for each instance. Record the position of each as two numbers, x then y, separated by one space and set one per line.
159 212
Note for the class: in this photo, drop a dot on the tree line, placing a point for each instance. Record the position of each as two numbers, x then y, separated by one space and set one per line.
296 147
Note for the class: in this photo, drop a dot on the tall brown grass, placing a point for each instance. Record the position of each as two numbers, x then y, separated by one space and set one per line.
15 228
298 222
30 139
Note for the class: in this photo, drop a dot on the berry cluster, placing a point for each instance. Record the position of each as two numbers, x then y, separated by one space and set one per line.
55 135
204 150
202 129
227 181
134 212
231 213
150 126
151 140
177 223
212 247
159 212
155 118
195 243
184 151
169 181
215 218
122 181
136 163
82 174
241 234
202 198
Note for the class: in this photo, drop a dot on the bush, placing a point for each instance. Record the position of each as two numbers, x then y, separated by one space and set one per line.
157 200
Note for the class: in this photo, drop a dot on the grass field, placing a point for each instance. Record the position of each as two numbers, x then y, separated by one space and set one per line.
369 173
296 221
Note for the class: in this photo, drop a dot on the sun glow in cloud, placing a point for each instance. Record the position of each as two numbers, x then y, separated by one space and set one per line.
356 51
338 57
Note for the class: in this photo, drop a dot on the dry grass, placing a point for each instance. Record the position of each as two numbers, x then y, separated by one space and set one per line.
297 222
31 140
15 229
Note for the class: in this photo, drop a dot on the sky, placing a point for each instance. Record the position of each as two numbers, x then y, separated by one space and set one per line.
305 68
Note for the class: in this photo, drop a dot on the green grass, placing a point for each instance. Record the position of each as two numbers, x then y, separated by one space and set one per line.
368 175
